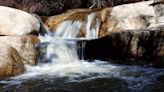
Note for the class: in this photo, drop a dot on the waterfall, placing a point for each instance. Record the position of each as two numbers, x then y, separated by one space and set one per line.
61 50
70 29
62 43
91 32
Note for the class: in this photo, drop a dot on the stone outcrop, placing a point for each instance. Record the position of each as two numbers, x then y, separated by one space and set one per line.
159 8
25 45
17 22
141 47
52 7
10 62
136 47
105 20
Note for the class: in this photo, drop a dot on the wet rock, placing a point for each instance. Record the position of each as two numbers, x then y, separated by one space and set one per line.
136 47
103 21
99 85
155 86
141 47
25 45
10 62
17 22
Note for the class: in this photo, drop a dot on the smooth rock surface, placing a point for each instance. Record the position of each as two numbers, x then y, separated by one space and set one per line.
10 61
25 45
17 22
106 20
141 47
159 8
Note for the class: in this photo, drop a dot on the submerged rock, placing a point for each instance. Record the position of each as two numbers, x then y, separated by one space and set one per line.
25 45
10 62
59 85
17 22
97 85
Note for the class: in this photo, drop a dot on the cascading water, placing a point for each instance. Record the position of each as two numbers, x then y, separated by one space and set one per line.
67 32
61 51
65 70
70 29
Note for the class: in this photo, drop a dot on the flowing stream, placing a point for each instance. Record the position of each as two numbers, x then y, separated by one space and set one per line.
62 69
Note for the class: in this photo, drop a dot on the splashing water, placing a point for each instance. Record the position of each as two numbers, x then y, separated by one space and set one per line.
64 61
61 52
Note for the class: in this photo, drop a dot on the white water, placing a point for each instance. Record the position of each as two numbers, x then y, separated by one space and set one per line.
61 51
65 62
92 32
70 29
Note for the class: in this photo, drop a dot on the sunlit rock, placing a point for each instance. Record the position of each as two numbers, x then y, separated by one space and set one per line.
25 45
159 10
17 22
101 22
10 62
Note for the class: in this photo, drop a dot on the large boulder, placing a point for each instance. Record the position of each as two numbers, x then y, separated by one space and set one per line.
17 22
141 47
51 7
25 45
136 47
10 61
84 22
159 8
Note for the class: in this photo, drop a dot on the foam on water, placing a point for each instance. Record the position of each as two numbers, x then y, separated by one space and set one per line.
62 55
75 69
64 60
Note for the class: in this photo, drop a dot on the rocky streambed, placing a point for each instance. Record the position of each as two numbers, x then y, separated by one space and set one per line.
111 49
